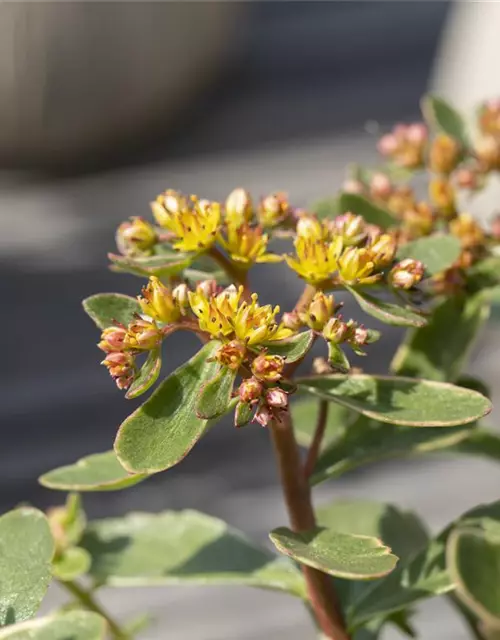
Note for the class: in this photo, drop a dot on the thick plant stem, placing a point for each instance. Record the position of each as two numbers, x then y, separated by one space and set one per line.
315 447
297 494
306 297
88 601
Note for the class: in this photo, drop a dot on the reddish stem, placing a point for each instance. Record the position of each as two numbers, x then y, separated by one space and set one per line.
315 447
297 494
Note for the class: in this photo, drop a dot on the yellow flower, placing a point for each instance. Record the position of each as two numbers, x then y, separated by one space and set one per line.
254 324
442 196
247 245
310 227
319 311
223 316
315 260
216 312
356 266
167 204
158 302
195 226
383 249
142 335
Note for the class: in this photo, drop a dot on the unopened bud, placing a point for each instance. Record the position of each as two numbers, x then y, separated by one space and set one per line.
239 207
350 227
488 152
143 335
380 186
273 209
250 391
417 133
360 336
418 220
406 274
383 250
231 355
442 196
180 295
166 205
207 288
291 320
467 229
112 338
444 154
136 235
268 368
277 398
263 416
387 144
121 368
319 311
335 330
310 227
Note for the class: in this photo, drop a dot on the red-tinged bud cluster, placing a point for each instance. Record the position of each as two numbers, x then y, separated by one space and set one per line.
405 145
121 368
231 355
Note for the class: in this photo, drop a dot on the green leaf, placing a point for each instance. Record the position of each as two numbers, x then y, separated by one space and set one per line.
26 550
400 530
160 266
185 547
161 432
361 206
386 311
454 323
367 441
337 358
437 252
71 564
147 376
480 442
293 348
107 308
439 113
243 413
215 395
484 275
424 575
305 417
338 554
73 625
473 557
326 208
98 472
402 401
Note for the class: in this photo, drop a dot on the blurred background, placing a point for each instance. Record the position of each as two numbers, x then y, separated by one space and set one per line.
104 105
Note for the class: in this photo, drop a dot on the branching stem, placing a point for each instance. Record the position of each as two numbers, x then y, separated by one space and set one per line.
319 433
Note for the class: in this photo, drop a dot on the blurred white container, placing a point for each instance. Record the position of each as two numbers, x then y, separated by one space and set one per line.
76 78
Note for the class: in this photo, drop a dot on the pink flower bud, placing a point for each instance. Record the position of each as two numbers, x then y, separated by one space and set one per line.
380 186
387 145
268 368
263 416
277 398
353 186
208 288
291 321
416 133
250 390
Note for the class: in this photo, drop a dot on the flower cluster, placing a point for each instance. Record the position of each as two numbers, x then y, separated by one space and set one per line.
193 225
344 251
